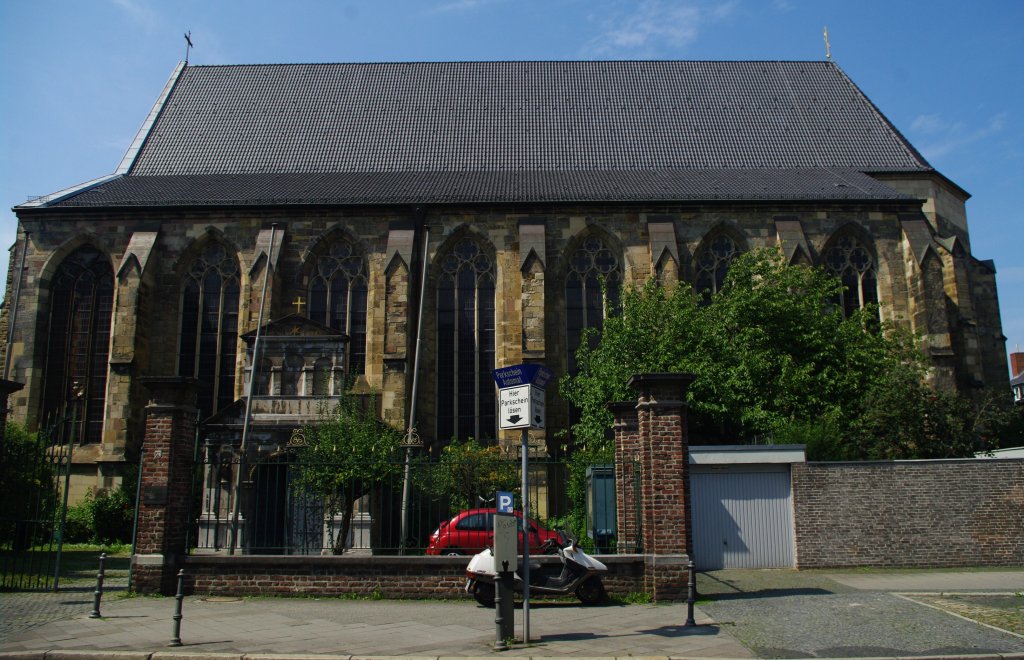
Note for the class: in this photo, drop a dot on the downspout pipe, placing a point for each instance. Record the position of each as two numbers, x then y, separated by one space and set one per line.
411 437
243 447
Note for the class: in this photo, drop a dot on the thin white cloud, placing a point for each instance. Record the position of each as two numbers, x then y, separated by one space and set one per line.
654 26
459 6
949 137
783 5
139 11
932 124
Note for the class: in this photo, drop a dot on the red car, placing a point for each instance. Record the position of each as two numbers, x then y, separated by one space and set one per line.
471 531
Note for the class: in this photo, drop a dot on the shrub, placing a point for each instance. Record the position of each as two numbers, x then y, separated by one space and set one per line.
103 517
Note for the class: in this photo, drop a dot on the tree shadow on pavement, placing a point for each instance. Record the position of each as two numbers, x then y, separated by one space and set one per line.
717 587
682 631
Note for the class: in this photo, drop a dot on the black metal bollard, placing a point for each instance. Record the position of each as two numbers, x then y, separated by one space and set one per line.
691 595
95 614
180 596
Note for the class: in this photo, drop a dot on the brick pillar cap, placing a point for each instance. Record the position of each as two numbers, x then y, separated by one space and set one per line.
9 387
619 407
641 380
173 390
156 382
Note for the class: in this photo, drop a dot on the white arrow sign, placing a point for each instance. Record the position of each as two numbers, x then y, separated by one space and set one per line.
521 407
514 407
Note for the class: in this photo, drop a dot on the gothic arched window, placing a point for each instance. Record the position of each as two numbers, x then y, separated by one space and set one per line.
593 273
337 299
465 344
850 261
209 327
81 303
712 262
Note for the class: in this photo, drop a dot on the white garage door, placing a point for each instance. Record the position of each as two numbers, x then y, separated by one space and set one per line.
742 516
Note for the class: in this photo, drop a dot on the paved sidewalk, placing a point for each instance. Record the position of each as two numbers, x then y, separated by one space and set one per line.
374 628
742 614
933 581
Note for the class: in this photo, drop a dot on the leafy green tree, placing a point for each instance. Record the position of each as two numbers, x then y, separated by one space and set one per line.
773 355
349 451
27 491
468 472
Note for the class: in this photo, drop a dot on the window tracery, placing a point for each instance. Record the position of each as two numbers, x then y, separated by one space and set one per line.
852 263
712 262
209 327
337 298
592 282
75 376
465 343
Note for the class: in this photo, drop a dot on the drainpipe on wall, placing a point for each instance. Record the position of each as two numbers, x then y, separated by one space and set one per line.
412 439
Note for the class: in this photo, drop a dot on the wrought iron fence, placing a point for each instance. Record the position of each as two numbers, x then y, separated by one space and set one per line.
290 506
34 480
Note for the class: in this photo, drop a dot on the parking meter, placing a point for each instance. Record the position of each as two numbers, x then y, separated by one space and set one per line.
506 541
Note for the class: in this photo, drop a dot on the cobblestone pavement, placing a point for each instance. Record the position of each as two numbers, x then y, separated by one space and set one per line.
790 614
1005 612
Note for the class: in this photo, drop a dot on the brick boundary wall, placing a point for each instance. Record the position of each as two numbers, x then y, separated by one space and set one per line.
371 576
967 512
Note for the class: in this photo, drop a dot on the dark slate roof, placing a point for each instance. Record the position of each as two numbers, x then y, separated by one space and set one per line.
456 131
451 187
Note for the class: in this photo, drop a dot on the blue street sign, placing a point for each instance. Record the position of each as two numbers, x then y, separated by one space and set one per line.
505 502
536 375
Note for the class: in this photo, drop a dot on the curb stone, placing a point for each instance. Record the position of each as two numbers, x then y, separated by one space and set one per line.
170 655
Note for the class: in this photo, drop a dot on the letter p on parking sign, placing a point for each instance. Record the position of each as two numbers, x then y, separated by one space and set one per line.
505 502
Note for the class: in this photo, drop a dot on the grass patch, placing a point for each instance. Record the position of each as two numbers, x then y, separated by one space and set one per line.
79 564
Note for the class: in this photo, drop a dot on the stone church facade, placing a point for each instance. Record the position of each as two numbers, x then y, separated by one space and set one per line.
530 188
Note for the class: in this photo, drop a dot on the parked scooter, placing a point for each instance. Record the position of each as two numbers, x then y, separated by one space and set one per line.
578 573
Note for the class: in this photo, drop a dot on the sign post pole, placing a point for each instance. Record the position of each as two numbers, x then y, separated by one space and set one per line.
526 535
521 405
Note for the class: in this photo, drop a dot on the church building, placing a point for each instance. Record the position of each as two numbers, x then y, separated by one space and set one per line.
486 208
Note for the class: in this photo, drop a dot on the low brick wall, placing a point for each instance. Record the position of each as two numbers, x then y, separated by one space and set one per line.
909 513
380 576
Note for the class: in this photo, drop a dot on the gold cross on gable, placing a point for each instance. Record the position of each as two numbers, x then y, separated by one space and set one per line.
299 303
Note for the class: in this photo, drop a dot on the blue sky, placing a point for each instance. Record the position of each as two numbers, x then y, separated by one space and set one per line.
77 78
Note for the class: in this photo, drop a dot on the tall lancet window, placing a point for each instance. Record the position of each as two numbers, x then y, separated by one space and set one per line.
465 344
209 327
337 298
712 262
81 302
593 281
851 261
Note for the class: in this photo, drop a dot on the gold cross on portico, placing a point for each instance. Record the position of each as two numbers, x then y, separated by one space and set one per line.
299 303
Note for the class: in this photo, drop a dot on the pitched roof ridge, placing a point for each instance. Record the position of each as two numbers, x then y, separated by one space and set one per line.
904 142
130 156
510 61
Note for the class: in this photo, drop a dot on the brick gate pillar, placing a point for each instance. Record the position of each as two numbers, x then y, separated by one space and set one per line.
664 481
167 450
628 506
